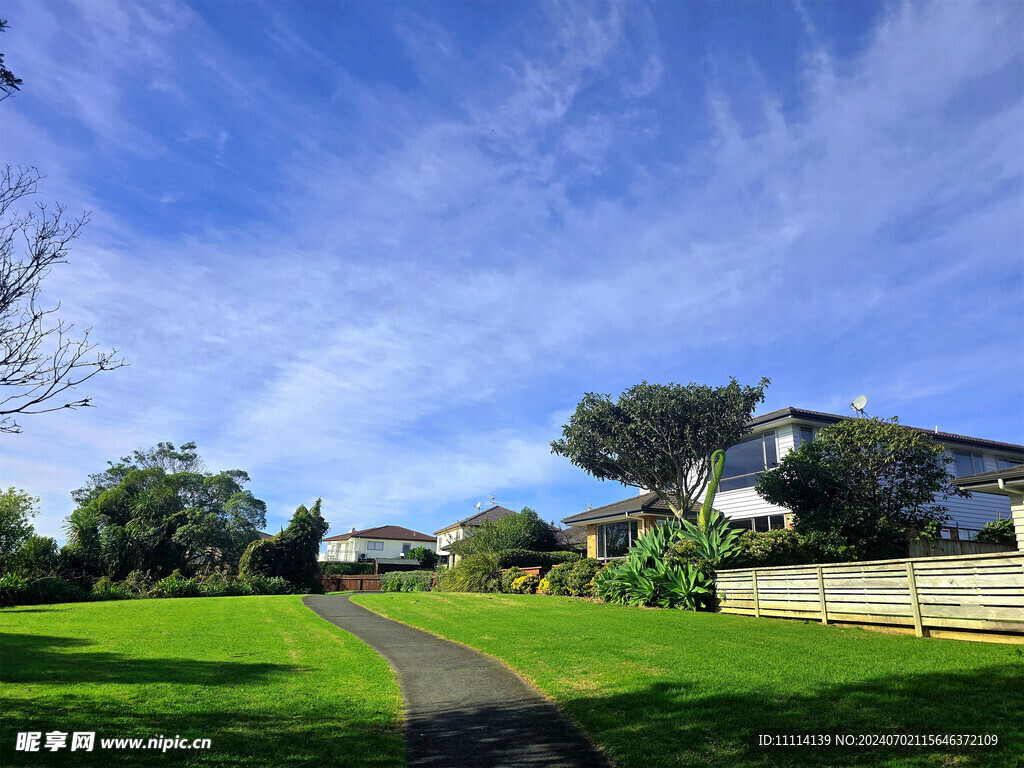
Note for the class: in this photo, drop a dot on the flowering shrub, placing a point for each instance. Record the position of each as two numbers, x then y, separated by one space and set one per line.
525 585
508 576
558 579
579 582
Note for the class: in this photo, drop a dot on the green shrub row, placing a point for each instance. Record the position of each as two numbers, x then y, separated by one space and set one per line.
406 581
345 569
526 558
17 590
574 579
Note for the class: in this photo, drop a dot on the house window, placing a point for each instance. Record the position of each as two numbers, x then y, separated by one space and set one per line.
806 435
378 545
615 539
748 459
968 463
405 549
1002 463
759 524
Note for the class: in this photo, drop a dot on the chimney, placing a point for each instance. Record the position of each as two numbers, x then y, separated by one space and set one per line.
352 529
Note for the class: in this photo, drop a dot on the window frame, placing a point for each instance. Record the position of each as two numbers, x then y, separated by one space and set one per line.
602 538
763 438
374 546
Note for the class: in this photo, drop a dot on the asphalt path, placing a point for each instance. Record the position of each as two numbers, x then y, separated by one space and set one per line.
462 709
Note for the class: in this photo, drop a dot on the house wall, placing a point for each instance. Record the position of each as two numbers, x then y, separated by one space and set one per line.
356 547
446 538
592 540
971 513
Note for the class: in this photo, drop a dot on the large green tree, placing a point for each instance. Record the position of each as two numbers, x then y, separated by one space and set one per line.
160 510
17 508
659 437
519 530
862 487
292 553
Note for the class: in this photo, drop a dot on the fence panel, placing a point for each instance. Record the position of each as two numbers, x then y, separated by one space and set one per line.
931 595
351 583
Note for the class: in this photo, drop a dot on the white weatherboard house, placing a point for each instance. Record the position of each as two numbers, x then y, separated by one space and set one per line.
611 529
459 530
385 542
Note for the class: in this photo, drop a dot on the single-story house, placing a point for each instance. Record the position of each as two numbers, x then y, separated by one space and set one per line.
1007 481
612 528
458 531
382 542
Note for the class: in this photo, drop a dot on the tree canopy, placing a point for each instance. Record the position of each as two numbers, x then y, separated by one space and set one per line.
659 437
159 510
519 530
862 487
292 553
17 508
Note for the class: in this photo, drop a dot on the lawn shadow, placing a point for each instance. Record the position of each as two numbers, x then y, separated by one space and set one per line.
33 659
674 723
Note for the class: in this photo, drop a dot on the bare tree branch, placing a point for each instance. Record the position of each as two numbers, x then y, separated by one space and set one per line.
40 361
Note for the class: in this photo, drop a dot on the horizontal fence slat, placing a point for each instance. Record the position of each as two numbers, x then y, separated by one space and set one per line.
983 592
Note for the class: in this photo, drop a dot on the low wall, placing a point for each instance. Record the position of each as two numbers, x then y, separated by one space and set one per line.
972 597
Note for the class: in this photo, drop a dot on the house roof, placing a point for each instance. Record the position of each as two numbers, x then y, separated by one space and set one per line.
264 536
990 480
648 503
832 418
394 532
491 515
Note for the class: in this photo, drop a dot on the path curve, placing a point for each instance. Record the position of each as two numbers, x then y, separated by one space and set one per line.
462 709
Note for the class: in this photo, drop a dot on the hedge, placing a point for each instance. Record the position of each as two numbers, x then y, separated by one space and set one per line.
526 558
406 581
345 569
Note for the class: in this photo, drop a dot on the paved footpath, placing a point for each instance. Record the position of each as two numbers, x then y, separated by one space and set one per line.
463 709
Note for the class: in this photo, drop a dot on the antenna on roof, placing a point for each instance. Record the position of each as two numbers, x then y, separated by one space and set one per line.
477 506
859 404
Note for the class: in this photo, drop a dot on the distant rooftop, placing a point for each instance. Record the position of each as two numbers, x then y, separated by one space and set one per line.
391 532
491 515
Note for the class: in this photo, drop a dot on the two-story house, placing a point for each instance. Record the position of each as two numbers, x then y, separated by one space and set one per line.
459 530
385 542
611 529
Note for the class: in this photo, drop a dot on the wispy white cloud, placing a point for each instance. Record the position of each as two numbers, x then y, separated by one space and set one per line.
393 305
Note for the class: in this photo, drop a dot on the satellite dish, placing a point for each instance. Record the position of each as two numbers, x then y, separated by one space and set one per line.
477 505
859 404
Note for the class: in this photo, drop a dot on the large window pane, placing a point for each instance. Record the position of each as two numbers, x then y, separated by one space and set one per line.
771 457
616 539
760 524
777 521
967 463
744 458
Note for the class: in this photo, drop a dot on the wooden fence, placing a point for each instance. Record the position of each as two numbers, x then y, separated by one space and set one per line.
937 596
952 547
357 582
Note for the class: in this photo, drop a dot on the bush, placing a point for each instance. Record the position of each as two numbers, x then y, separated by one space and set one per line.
661 585
292 553
581 576
525 585
345 569
406 581
507 577
107 589
176 585
17 590
427 558
777 547
998 532
474 573
544 587
528 558
558 579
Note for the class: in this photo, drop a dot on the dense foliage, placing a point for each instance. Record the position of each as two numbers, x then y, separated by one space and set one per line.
406 581
526 558
519 530
659 437
776 547
17 508
474 573
18 590
426 557
862 487
291 554
345 569
998 532
158 511
575 579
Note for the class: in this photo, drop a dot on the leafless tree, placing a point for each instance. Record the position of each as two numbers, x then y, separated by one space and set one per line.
40 360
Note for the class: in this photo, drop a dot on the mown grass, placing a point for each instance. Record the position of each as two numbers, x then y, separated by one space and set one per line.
672 688
269 682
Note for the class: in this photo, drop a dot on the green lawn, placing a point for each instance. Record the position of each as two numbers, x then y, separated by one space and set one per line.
672 688
269 682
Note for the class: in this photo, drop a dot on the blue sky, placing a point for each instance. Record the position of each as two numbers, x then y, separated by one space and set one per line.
376 252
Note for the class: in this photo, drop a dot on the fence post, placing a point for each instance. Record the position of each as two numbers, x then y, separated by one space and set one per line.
821 596
757 603
914 604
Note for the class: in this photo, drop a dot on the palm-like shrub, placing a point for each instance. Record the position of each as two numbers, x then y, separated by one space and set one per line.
717 543
475 573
